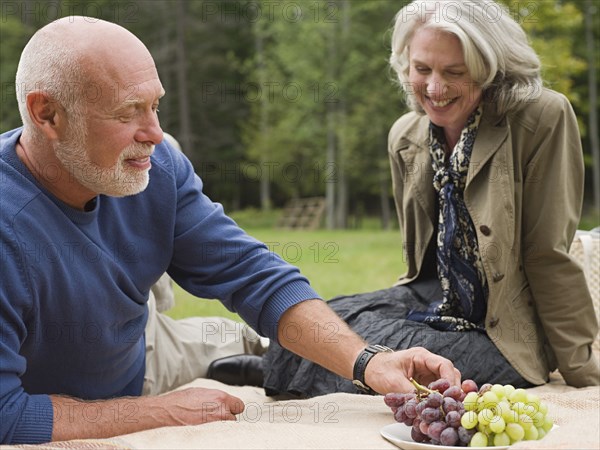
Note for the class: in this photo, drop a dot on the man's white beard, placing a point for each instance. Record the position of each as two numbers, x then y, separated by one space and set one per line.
119 180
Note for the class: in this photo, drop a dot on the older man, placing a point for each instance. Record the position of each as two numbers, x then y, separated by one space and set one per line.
87 228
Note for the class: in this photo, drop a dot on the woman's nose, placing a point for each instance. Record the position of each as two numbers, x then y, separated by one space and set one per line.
436 86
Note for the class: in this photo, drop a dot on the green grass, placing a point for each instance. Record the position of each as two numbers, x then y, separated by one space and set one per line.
590 219
336 262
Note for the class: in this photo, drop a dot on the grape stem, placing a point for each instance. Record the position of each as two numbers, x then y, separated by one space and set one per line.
420 387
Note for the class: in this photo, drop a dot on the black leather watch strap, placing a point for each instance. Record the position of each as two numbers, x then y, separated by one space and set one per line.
360 365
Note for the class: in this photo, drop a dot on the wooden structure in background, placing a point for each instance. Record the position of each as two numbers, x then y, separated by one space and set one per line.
303 213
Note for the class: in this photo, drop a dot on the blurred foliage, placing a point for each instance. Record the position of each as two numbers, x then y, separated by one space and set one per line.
265 81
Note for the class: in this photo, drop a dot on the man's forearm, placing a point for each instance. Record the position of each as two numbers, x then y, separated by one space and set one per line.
314 331
78 419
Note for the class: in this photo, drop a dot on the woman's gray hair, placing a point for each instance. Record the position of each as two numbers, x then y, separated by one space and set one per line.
50 65
496 50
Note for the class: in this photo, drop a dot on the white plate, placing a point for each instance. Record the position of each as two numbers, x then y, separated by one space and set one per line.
399 435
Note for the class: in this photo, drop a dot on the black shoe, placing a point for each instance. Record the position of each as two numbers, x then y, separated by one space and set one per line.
238 370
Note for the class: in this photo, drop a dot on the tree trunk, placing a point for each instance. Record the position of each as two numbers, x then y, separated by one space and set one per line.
593 96
342 181
330 198
265 184
185 134
164 63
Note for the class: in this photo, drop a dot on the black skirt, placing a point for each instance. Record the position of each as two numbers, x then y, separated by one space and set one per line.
379 317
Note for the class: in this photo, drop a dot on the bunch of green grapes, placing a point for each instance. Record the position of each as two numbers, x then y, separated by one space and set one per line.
503 415
493 415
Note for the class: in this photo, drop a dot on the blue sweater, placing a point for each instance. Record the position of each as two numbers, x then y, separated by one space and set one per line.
74 285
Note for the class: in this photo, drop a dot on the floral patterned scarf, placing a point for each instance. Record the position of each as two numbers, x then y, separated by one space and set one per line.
459 265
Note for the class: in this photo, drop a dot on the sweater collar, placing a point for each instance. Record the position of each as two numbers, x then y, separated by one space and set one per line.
9 154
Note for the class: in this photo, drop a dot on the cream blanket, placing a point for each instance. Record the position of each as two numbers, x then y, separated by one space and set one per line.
340 421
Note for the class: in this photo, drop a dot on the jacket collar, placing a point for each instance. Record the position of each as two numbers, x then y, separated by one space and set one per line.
492 132
414 151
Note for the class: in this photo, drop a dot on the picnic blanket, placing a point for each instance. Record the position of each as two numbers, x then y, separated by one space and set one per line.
348 421
339 421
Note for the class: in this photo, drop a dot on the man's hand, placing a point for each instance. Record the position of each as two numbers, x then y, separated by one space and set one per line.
313 320
390 372
77 419
196 406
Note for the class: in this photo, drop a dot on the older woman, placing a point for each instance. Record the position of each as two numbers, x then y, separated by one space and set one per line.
488 184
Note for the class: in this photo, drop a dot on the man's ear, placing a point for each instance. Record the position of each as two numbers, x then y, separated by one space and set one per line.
46 113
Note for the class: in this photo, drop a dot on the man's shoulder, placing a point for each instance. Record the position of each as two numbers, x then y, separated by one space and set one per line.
163 156
17 190
5 138
8 141
168 159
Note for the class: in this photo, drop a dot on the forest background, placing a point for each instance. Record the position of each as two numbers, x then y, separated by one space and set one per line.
278 99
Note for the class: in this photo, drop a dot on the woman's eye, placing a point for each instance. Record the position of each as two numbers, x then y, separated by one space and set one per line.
422 69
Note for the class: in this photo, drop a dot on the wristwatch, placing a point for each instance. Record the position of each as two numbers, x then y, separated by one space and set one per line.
360 365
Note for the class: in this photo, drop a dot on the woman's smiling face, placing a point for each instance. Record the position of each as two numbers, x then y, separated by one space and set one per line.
440 80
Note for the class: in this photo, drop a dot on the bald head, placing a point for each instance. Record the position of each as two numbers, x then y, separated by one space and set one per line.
79 60
98 45
80 31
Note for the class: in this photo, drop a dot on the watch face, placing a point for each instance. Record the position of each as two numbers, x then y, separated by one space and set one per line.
381 348
361 387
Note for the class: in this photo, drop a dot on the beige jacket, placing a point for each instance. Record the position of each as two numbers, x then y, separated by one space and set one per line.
524 193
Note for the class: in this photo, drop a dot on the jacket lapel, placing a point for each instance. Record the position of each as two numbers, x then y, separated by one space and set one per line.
417 162
490 179
491 134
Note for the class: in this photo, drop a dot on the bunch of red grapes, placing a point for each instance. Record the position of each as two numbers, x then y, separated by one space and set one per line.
434 412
